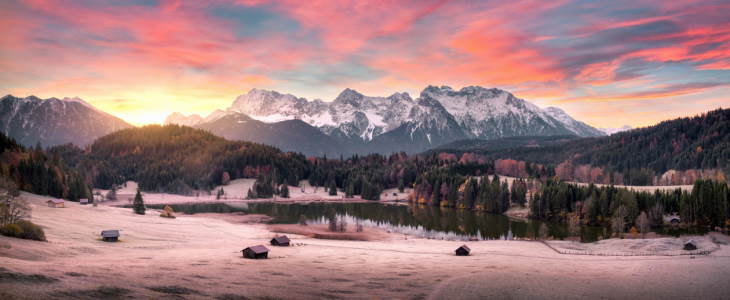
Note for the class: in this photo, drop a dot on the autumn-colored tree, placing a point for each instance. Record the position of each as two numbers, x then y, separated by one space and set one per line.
226 178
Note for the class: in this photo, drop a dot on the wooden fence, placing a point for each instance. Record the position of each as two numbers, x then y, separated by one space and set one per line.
640 253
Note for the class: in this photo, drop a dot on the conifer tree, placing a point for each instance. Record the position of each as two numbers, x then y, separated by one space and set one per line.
333 188
138 205
284 193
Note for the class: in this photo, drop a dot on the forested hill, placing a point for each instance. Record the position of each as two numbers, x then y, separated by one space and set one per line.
178 159
700 142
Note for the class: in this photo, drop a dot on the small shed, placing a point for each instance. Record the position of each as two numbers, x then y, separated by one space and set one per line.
674 221
690 245
110 235
463 251
280 241
83 201
256 252
56 203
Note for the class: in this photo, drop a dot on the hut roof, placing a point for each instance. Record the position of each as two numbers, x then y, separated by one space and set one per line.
110 233
258 249
282 239
56 201
465 248
83 200
693 242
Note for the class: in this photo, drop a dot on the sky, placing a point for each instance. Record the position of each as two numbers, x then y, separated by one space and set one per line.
607 63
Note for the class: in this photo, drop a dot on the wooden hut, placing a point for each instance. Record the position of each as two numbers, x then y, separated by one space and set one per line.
57 203
110 235
256 252
690 245
280 241
463 251
83 201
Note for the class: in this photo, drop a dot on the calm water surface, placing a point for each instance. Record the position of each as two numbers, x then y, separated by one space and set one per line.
413 219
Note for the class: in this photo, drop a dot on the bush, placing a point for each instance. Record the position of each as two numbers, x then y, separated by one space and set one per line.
11 230
31 231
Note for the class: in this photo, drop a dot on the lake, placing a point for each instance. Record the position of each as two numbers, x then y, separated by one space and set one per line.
413 219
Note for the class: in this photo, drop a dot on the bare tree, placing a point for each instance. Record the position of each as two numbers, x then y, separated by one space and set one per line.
618 222
643 223
333 223
14 210
573 225
543 231
112 194
656 215
12 207
343 224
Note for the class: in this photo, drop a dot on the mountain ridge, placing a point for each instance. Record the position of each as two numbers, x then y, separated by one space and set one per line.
55 121
438 116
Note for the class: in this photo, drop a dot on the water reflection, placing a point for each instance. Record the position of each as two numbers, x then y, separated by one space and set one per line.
412 219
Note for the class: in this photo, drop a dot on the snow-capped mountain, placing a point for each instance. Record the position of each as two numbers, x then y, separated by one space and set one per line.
611 130
577 127
180 119
55 121
351 117
399 122
494 113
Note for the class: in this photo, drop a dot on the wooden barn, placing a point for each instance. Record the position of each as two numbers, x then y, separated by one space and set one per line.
280 241
110 235
56 203
256 252
463 251
83 201
690 245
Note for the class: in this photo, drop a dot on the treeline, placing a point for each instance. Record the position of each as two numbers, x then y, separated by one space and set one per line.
443 187
368 175
181 160
34 171
706 205
698 143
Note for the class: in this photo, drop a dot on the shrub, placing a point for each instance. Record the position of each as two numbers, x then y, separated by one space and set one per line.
31 231
11 230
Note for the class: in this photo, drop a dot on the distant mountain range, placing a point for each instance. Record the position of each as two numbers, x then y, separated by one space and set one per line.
611 130
55 121
352 123
365 124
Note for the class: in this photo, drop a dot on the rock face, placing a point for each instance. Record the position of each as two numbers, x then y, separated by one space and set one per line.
398 122
288 135
55 121
577 127
611 130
